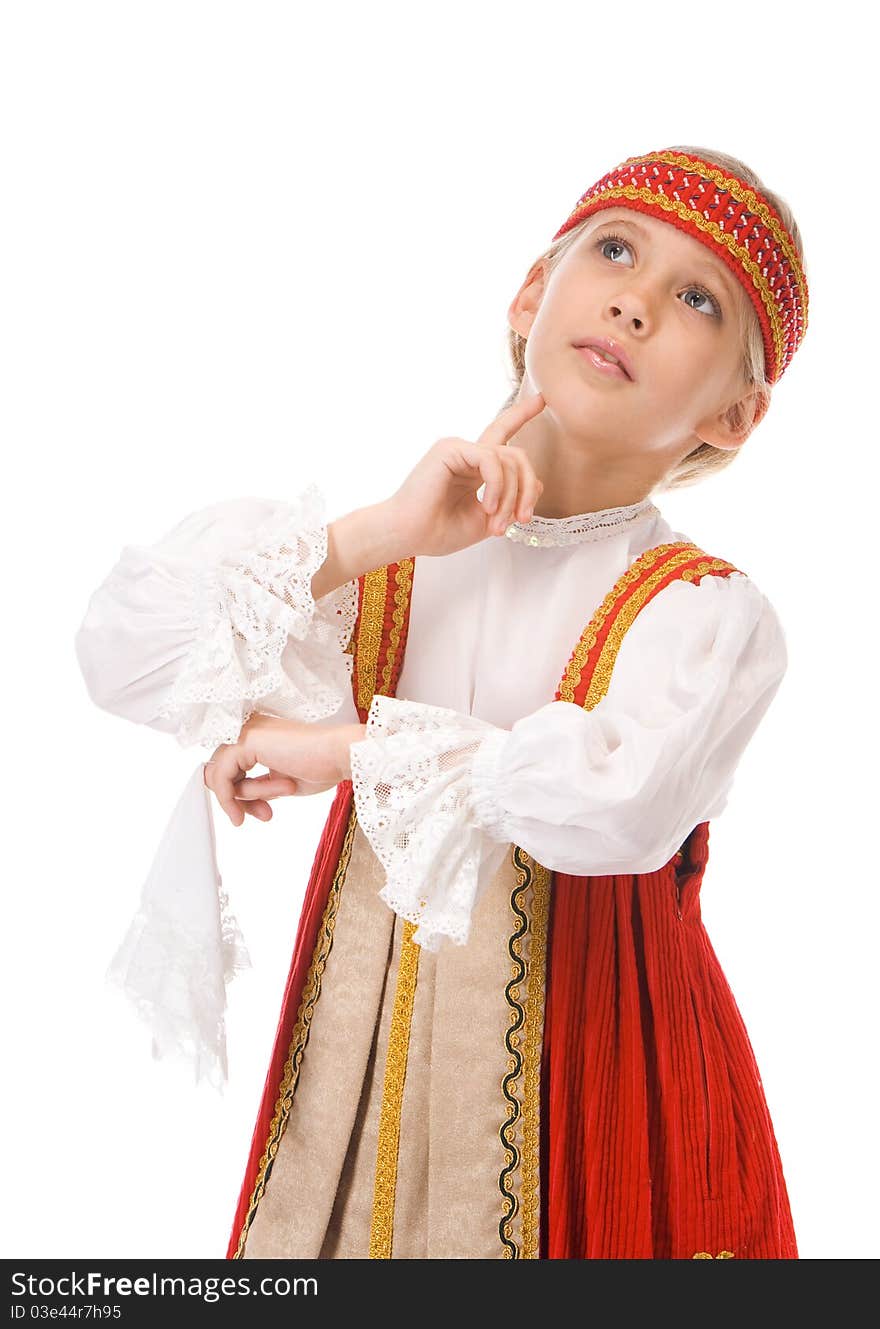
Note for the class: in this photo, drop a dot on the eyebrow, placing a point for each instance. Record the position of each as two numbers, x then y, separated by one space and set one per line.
723 276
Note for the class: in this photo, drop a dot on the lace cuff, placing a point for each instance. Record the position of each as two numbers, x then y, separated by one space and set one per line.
416 800
259 639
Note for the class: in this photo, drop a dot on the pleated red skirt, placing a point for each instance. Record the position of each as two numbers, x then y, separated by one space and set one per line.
656 1138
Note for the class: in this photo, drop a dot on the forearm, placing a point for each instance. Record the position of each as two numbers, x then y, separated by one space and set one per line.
358 542
346 735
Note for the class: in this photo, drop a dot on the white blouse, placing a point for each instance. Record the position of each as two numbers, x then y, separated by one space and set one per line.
216 620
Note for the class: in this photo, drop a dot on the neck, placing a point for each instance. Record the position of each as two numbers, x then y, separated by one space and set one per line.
578 480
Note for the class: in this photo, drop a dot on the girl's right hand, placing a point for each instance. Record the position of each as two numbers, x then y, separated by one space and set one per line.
435 510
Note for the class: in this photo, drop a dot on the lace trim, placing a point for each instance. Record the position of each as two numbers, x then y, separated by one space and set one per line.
175 977
260 637
184 946
583 526
484 779
412 782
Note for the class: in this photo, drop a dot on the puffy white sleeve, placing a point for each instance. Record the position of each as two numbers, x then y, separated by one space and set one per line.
191 635
216 620
442 795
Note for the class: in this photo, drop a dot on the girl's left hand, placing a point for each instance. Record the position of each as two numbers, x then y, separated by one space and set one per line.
301 759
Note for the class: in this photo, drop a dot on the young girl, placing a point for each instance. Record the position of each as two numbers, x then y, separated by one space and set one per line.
505 1033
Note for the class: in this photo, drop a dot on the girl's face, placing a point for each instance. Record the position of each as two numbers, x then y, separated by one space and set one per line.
675 309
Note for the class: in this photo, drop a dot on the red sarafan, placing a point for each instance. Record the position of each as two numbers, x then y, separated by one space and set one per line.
659 1143
632 1122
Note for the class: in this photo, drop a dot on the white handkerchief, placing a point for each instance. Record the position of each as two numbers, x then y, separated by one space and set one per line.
183 945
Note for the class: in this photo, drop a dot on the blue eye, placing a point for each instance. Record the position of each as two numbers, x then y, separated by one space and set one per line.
611 239
704 295
608 238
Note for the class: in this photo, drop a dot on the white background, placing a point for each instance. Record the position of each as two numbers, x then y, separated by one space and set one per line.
251 245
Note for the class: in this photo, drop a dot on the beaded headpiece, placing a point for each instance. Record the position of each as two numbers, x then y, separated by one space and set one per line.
731 218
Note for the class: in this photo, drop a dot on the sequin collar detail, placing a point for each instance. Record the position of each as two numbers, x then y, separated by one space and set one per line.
580 527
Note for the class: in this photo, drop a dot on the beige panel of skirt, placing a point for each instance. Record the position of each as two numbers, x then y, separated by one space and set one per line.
466 1184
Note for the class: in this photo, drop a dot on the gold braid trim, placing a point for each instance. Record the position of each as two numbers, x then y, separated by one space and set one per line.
601 676
300 1037
402 592
382 1228
385 1187
575 667
531 1195
521 1084
722 1255
369 635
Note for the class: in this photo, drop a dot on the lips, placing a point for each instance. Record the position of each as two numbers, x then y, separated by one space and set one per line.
606 346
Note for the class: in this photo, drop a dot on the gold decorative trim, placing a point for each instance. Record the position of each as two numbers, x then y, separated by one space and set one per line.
572 676
521 1085
531 1196
369 638
382 1226
374 674
722 1255
601 676
402 591
300 1036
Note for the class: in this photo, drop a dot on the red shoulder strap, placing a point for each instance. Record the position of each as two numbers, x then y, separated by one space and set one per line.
588 673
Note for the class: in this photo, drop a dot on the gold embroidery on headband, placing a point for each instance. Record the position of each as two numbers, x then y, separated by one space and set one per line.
740 253
742 194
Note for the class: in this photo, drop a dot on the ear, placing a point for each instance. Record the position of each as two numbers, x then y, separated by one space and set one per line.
731 427
527 301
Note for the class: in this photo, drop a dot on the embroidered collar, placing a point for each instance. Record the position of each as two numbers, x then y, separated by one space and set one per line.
580 527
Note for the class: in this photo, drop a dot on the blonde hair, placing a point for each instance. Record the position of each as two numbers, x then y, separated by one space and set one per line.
705 459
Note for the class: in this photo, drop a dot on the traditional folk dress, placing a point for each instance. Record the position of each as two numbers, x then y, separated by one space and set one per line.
505 1033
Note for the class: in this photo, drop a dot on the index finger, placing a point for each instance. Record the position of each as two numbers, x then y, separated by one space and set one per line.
511 419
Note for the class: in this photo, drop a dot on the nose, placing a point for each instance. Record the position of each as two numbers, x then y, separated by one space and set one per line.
633 306
637 322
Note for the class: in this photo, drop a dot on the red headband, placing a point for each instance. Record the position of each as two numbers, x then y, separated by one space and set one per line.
729 216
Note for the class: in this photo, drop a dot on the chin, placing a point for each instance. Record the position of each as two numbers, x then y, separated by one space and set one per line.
580 407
